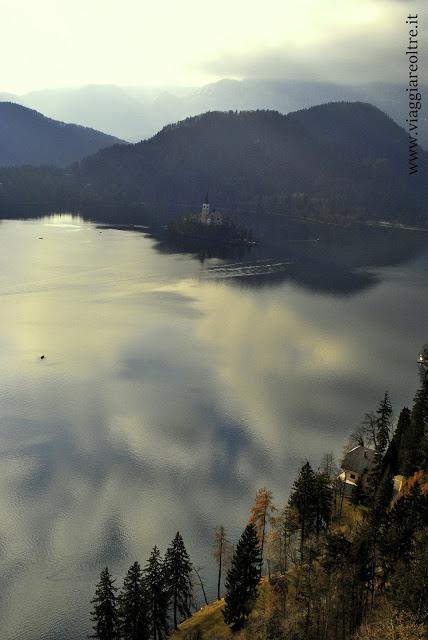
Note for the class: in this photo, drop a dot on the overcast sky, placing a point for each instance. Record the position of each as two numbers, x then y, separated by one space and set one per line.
60 43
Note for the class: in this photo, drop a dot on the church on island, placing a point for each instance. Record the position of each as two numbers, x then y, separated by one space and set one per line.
210 216
210 227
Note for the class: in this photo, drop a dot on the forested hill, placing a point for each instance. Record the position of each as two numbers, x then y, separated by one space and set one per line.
337 162
357 129
28 137
339 159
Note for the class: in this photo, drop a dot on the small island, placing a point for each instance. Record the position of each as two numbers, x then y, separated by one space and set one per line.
209 229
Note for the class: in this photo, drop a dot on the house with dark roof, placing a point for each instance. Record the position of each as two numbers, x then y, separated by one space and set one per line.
356 467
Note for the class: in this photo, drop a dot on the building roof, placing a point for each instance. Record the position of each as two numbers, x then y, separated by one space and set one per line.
359 459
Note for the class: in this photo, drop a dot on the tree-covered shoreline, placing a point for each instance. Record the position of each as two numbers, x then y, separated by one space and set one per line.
325 566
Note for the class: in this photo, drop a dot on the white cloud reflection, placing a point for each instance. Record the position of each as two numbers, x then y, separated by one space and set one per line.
164 402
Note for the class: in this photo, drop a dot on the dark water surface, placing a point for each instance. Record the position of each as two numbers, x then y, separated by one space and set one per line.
173 388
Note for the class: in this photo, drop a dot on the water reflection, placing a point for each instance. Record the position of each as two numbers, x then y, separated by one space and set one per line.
167 396
324 258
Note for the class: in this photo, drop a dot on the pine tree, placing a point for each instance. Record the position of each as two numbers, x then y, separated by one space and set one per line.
178 569
242 579
133 606
104 614
303 499
383 428
414 443
323 502
393 455
383 424
158 595
382 501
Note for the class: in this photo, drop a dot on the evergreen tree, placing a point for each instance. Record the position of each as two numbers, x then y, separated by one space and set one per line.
242 579
104 614
158 595
383 424
336 551
382 501
393 455
133 606
178 569
417 442
396 535
323 502
303 499
382 428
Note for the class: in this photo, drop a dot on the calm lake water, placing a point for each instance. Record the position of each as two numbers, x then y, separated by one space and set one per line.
173 388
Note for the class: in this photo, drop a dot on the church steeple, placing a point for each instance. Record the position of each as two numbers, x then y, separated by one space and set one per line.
205 211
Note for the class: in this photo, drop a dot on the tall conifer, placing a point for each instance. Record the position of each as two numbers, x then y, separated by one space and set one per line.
383 424
158 595
303 498
242 579
178 569
133 606
105 621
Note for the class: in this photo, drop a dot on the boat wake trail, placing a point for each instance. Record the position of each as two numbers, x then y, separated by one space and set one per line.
242 269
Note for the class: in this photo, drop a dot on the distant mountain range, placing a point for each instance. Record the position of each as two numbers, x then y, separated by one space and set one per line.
135 113
338 162
28 137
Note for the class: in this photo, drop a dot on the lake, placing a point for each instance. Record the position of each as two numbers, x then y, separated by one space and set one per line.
173 387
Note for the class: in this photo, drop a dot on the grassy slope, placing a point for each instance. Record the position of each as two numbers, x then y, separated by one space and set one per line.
208 622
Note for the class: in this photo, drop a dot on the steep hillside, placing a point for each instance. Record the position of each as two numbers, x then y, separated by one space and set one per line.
28 137
204 624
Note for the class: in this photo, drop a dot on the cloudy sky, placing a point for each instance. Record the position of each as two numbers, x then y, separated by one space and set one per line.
59 43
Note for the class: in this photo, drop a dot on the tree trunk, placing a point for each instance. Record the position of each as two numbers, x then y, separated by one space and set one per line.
175 605
263 539
202 585
154 621
302 538
219 569
285 548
